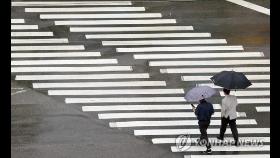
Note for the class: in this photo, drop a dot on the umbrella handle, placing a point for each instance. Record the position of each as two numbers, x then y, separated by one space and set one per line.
193 107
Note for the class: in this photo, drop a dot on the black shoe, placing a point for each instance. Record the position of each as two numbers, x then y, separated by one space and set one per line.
220 138
208 151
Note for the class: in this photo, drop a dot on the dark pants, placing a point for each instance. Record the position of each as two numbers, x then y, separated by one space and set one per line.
203 125
232 124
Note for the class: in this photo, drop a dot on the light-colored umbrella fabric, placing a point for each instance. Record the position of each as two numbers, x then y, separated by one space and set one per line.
200 92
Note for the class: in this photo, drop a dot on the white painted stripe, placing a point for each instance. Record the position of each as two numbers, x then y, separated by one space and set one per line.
209 62
100 84
254 85
20 88
253 100
71 69
50 40
165 42
69 3
168 49
57 47
251 6
248 93
17 34
62 62
125 100
24 27
86 9
81 77
125 29
198 55
173 123
115 22
157 115
207 78
229 156
196 131
142 107
211 139
55 54
14 21
181 0
116 92
263 109
224 148
151 35
18 92
214 70
101 16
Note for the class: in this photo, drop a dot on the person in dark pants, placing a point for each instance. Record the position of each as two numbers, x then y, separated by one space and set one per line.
203 112
229 115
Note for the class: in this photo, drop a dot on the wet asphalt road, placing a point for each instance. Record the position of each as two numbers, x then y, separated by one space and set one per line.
44 126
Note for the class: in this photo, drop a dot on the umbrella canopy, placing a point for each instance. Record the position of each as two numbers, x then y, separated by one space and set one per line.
231 80
200 92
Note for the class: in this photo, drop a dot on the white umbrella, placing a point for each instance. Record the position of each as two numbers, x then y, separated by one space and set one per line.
199 92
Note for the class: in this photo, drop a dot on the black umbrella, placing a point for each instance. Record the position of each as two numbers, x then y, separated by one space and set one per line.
231 80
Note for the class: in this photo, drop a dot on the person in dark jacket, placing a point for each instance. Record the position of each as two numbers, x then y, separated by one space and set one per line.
203 112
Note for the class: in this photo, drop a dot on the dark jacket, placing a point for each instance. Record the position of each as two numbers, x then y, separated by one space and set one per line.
204 110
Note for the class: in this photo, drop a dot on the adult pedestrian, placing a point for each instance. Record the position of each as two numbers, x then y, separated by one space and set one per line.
203 112
228 116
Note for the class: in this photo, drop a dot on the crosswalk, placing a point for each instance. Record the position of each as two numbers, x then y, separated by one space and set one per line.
254 85
208 62
30 34
210 131
16 21
74 3
55 55
83 9
156 115
141 107
100 16
164 42
199 55
206 78
33 41
230 156
172 140
39 48
24 27
215 70
82 77
150 35
170 49
71 69
173 123
115 22
99 82
132 29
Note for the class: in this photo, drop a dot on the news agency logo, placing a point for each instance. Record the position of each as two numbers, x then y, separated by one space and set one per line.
183 142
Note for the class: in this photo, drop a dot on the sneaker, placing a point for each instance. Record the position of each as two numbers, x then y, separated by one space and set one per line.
208 151
220 138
